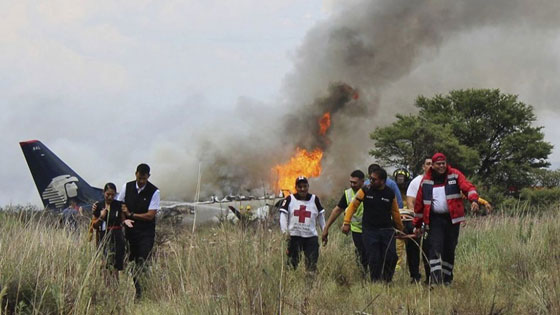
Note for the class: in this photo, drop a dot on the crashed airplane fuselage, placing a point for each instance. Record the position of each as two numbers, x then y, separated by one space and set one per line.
57 183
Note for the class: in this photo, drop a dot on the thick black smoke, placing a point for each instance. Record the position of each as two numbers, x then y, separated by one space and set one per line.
302 127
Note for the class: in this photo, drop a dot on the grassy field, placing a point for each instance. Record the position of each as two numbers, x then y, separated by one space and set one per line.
506 264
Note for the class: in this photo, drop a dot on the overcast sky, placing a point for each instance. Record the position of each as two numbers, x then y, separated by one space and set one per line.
109 84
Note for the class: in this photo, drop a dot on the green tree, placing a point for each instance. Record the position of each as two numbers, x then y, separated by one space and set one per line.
411 138
546 178
483 132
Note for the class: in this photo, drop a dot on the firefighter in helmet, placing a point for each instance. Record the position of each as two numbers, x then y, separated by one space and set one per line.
402 178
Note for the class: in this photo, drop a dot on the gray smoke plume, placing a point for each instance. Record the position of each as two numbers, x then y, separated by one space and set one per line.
374 48
302 128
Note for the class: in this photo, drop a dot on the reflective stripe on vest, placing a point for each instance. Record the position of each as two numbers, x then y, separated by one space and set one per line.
472 192
427 193
356 224
454 196
457 220
452 176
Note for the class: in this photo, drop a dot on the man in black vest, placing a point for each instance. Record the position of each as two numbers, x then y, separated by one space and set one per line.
141 203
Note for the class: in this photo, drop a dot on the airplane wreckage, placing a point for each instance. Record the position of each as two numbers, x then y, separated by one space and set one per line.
57 184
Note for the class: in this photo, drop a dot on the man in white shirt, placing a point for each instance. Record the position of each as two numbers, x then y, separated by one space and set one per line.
415 183
141 203
413 253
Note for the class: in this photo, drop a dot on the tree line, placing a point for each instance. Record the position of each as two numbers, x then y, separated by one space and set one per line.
487 134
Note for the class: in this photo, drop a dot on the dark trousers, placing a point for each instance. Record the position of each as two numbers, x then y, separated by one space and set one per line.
310 248
113 248
413 254
381 253
140 246
361 256
442 236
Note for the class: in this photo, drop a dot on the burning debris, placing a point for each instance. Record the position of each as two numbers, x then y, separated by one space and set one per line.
324 123
303 163
308 163
309 127
273 151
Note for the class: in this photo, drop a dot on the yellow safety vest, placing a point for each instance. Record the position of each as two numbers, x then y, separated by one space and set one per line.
356 223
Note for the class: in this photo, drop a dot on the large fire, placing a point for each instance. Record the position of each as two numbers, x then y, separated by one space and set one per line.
324 123
302 163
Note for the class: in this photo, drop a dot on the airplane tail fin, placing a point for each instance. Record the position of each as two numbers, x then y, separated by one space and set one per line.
56 182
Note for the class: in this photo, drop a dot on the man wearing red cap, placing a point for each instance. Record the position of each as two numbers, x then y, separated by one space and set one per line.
439 206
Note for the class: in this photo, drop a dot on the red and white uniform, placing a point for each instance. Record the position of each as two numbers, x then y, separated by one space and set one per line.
302 215
443 198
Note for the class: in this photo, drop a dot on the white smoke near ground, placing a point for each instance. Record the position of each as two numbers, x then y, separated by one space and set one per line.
390 51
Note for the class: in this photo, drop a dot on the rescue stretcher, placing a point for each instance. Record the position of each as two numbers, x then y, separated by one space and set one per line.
406 218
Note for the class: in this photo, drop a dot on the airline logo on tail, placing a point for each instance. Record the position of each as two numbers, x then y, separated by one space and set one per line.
60 189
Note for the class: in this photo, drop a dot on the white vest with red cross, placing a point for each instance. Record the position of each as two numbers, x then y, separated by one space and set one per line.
302 217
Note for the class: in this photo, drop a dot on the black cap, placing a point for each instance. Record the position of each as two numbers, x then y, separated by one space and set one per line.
301 179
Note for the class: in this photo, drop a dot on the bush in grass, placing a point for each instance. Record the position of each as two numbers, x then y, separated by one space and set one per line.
544 197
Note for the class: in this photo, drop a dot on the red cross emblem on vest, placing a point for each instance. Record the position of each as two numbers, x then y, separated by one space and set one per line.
302 214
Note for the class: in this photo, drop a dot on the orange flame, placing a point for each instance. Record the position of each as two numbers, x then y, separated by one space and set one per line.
324 123
303 163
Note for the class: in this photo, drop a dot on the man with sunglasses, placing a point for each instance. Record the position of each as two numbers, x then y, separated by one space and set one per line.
380 217
389 183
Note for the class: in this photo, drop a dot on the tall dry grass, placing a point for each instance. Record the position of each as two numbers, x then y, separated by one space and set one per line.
505 265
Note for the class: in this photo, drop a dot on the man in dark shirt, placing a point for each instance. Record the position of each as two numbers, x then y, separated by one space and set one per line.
381 216
141 203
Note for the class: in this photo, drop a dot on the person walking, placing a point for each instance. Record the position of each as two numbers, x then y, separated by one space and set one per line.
380 218
417 247
356 182
439 206
299 215
107 220
141 203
